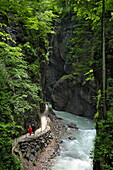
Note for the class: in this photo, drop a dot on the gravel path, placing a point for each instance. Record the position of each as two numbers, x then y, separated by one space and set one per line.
45 159
44 128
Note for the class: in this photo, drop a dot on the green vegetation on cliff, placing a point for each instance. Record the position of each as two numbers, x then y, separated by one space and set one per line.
24 48
87 52
25 29
90 57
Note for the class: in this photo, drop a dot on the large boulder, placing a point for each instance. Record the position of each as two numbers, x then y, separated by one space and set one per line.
77 99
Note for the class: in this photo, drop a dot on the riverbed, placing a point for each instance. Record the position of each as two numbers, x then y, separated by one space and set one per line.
76 145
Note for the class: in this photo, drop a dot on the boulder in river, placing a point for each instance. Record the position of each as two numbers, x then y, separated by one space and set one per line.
72 125
71 138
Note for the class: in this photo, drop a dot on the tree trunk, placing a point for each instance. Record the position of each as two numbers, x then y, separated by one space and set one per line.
104 61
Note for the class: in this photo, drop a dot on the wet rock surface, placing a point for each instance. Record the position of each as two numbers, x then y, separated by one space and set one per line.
71 138
72 125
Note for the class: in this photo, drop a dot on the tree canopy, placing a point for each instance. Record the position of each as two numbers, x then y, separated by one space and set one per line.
25 29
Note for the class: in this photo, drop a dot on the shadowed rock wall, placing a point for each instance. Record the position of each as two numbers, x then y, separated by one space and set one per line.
57 59
74 98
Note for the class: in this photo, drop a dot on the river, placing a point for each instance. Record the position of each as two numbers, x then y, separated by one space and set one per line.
75 154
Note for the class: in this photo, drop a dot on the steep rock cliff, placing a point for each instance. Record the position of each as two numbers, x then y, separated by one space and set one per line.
63 94
57 58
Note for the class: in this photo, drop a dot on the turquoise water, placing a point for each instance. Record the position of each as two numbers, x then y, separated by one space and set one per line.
75 154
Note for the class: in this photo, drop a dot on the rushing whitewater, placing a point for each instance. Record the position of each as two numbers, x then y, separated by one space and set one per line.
75 154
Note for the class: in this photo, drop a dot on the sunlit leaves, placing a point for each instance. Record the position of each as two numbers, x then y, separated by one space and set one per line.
23 48
104 151
14 77
89 10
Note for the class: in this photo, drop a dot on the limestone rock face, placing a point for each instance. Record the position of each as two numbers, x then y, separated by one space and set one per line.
57 58
77 99
63 94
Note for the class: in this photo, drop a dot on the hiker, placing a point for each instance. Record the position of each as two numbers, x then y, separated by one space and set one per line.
30 130
33 128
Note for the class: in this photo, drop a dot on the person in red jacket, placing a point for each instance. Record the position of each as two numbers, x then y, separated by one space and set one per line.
30 130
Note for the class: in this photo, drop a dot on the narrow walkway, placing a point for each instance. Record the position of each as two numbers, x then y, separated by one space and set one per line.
43 129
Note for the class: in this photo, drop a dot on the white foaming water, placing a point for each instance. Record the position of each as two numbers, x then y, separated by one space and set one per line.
75 154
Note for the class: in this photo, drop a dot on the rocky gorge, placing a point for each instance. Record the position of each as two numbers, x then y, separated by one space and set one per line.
62 91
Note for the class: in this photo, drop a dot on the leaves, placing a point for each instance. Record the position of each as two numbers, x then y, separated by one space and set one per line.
103 151
18 94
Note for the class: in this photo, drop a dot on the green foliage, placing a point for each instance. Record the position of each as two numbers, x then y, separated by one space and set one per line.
73 78
7 160
7 131
24 56
18 80
24 49
89 76
90 10
110 92
80 58
86 54
103 142
68 77
99 98
15 86
96 116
